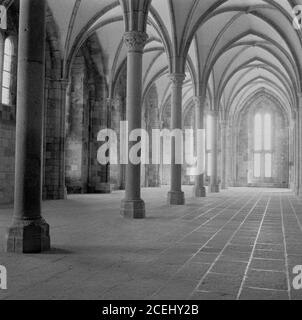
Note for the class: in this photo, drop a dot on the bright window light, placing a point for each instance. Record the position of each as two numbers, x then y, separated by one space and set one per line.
6 72
209 132
268 165
267 132
209 165
257 165
258 132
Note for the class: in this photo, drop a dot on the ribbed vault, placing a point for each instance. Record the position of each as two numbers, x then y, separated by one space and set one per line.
229 49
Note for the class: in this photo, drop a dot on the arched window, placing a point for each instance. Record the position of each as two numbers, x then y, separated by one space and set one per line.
263 145
209 132
7 71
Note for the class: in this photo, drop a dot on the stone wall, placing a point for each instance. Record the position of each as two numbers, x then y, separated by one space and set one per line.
88 111
8 117
76 165
118 114
150 173
7 152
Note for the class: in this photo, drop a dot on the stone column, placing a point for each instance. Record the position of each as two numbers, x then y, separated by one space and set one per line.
224 125
133 206
176 195
199 190
214 184
63 88
109 108
29 232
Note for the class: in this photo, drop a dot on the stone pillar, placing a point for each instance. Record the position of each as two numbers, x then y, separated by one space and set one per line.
224 126
199 190
63 85
45 116
133 206
214 184
176 195
104 186
29 232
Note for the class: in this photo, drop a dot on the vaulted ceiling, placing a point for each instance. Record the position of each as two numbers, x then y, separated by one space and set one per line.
230 50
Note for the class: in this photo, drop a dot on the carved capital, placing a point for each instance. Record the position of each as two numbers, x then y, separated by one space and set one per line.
62 83
110 101
197 101
224 123
177 79
295 115
135 41
214 113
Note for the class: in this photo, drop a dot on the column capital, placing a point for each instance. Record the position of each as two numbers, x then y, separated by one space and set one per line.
197 101
214 113
109 101
47 82
177 79
224 123
63 82
135 41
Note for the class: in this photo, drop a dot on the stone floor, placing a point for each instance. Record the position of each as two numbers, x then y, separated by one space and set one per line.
239 244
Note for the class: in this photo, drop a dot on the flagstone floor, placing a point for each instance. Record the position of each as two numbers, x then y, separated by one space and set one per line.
239 244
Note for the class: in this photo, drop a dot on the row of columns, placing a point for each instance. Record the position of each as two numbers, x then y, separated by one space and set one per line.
29 232
133 206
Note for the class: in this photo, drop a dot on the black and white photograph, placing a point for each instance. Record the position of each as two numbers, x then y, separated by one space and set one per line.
150 153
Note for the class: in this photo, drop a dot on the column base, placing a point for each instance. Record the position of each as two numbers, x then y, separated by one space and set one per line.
104 188
28 237
199 192
214 188
133 209
176 198
65 193
224 187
